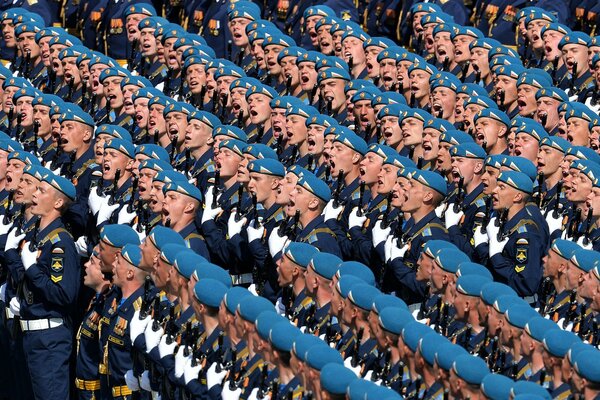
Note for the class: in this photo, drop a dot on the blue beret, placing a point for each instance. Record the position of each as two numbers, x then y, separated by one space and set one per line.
278 39
484 43
444 80
261 89
208 270
335 378
140 8
470 368
519 314
357 33
425 8
434 246
135 80
556 143
589 169
471 285
179 106
429 345
383 301
26 91
529 388
265 322
61 184
394 319
491 291
252 307
186 261
300 253
160 100
209 292
583 153
122 146
558 342
363 295
482 101
585 259
310 56
431 179
412 334
356 269
259 151
538 326
423 66
115 131
161 236
345 284
132 254
145 93
579 110
36 171
455 137
492 114
283 335
297 170
167 176
24 157
520 164
534 129
440 125
316 186
9 145
117 235
353 141
552 92
292 51
185 188
468 150
15 81
169 253
502 302
74 51
303 342
205 117
517 180
156 165
267 166
301 109
113 72
237 146
325 264
399 161
75 113
232 132
471 268
586 365
243 10
449 259
333 73
576 37
283 102
447 353
319 356
65 40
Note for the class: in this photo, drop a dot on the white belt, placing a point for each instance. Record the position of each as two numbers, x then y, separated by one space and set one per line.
241 279
41 324
9 314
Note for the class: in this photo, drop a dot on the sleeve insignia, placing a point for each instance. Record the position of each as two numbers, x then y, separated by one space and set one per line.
57 264
521 256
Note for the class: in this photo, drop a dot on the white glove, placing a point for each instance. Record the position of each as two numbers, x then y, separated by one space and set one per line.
131 381
387 247
165 349
332 212
279 306
588 246
210 212
145 381
492 229
227 394
348 364
190 373
95 201
125 217
397 252
479 237
254 233
105 213
554 224
439 210
276 242
28 257
379 233
81 246
180 361
252 289
4 228
137 326
141 235
13 240
3 292
355 221
152 337
496 247
213 377
234 227
15 306
452 218
253 394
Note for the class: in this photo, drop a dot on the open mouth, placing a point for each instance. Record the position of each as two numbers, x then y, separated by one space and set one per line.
521 104
427 146
128 103
362 171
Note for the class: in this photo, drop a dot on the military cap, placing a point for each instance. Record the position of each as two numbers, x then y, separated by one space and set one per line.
575 349
496 386
529 388
327 62
517 180
583 153
429 345
362 295
135 80
470 368
501 50
212 271
139 8
314 185
179 106
267 166
253 306
15 81
207 118
325 264
237 146
537 327
145 93
383 301
394 110
49 31
297 170
455 137
398 161
185 188
283 102
533 129
74 51
356 269
114 131
27 27
150 23
345 284
576 37
413 332
377 41
365 93
75 113
460 30
536 13
169 31
423 66
292 51
232 132
300 253
282 336
512 71
153 151
557 342
194 59
265 322
36 171
555 142
579 110
101 59
160 236
261 89
501 60
24 157
183 259
417 113
333 73
438 17
491 291
169 253
155 165
496 115
47 100
388 98
356 33
65 40
449 259
520 164
468 150
167 176
234 297
552 92
318 11
117 235
447 353
319 356
61 184
26 91
246 9
9 145
209 292
304 342
122 146
432 247
421 7
301 109
325 21
471 285
310 56
484 43
589 169
519 314
595 59
473 90
555 27
278 39
335 378
440 125
321 120
444 80
585 259
534 78
132 254
351 140
113 72
430 179
359 389
586 365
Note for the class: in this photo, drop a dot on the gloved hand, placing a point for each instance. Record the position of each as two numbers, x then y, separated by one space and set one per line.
28 257
354 220
145 381
397 252
387 247
279 306
165 349
439 210
213 377
491 228
4 228
125 217
105 212
254 233
452 218
210 212
479 237
15 306
276 242
348 364
137 326
3 292
254 394
13 240
331 212
190 373
496 246
252 289
588 246
235 227
180 361
95 201
228 394
131 381
152 337
554 224
81 246
379 233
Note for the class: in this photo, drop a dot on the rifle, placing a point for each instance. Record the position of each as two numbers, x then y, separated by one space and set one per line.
309 162
264 374
378 132
255 208
131 55
52 79
279 144
238 210
555 69
202 94
587 225
361 196
224 99
328 107
350 64
338 188
464 70
500 95
572 311
294 227
188 158
546 285
156 320
574 76
559 186
220 354
114 187
355 352
232 385
181 89
171 327
446 64
385 220
100 186
229 49
240 119
460 195
8 214
574 225
173 149
477 74
327 172
260 132
544 119
487 215
11 115
155 138
503 218
18 127
33 244
288 86
168 78
443 326
134 188
313 93
168 222
36 130
70 84
27 65
413 100
215 189
540 197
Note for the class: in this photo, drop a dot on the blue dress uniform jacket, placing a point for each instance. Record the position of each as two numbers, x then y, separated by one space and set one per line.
462 234
194 240
317 233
